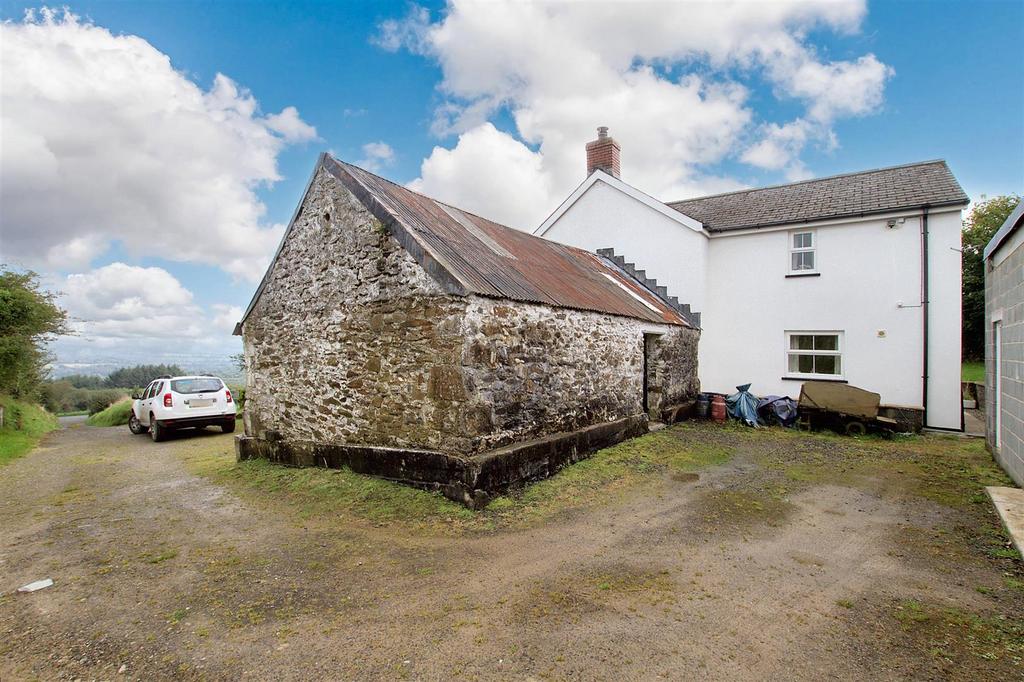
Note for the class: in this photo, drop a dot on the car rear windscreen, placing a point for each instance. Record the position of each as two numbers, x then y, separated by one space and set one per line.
196 385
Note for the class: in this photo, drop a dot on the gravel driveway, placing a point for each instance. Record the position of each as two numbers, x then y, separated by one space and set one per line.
162 574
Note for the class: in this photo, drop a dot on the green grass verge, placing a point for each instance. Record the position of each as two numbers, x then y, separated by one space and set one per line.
972 371
115 415
336 494
34 421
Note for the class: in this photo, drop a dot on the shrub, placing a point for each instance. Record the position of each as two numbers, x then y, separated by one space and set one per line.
101 400
115 415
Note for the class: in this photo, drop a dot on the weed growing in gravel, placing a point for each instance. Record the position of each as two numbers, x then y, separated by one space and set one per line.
949 631
160 557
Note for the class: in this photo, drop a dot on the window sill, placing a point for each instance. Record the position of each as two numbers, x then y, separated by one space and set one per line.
821 378
803 274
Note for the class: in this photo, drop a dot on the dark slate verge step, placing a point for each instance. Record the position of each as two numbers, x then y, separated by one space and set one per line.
650 284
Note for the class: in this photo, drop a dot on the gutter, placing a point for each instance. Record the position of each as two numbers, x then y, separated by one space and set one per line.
924 313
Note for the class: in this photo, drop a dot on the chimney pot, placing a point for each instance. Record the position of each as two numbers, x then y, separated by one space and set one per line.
603 153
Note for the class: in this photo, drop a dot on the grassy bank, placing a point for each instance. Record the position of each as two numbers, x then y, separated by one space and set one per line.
24 424
972 371
115 415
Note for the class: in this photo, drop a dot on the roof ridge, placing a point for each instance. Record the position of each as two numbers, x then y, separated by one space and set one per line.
459 208
808 181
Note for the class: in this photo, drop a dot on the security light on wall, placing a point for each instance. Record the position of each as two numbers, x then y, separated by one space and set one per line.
893 222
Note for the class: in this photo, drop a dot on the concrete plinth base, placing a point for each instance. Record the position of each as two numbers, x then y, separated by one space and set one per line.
1009 502
471 480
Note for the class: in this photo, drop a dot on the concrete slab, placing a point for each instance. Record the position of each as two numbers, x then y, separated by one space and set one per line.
1009 503
974 423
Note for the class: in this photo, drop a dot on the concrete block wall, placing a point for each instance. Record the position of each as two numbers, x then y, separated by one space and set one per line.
1004 298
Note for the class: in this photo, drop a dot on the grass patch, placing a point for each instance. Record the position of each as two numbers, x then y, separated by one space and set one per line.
741 507
972 371
115 415
615 468
949 470
324 492
161 557
951 632
336 493
24 424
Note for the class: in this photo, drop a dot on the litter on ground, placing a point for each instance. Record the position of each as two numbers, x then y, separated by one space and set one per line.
37 585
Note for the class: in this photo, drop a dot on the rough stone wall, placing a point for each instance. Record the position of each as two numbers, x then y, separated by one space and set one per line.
351 341
532 371
671 369
1004 292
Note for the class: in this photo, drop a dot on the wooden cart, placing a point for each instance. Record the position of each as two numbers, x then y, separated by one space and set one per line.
842 408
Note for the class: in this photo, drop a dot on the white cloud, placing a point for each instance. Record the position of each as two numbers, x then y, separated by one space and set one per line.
488 172
376 156
128 314
120 301
290 126
104 140
226 317
670 79
408 32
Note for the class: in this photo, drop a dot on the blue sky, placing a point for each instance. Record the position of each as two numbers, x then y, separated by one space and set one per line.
944 81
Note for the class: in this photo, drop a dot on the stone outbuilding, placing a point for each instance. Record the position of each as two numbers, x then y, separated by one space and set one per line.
406 338
1004 344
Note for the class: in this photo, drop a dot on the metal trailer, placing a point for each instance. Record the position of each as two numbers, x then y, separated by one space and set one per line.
842 408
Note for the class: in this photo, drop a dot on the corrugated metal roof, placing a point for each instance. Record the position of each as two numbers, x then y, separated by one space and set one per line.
854 194
482 257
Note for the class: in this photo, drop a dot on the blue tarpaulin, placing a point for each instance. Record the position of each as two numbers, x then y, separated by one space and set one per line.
742 405
773 409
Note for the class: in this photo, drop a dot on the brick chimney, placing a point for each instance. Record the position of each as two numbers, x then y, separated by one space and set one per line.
603 153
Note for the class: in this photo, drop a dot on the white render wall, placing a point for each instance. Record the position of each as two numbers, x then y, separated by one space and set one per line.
738 283
673 254
866 270
945 399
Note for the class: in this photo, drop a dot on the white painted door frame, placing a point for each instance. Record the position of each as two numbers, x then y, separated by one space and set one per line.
997 396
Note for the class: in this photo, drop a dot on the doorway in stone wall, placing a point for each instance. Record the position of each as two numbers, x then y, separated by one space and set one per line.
652 387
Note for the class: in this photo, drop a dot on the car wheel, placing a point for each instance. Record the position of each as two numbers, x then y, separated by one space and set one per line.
135 426
228 426
156 432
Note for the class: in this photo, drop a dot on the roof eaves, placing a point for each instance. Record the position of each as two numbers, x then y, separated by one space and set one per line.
1009 226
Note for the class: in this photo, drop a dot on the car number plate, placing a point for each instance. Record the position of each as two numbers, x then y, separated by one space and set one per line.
197 402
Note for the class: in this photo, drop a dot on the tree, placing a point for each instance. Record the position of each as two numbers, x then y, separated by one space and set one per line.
29 317
140 375
981 225
85 380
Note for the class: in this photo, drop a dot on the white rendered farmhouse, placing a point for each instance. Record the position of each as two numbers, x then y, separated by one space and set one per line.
851 278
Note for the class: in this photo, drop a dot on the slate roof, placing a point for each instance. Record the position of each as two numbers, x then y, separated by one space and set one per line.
468 254
840 196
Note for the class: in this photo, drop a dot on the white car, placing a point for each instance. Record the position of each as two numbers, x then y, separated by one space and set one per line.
170 403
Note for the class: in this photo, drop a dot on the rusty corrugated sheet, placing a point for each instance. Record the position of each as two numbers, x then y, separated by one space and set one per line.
494 260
